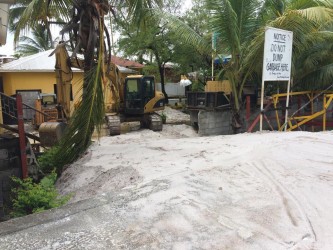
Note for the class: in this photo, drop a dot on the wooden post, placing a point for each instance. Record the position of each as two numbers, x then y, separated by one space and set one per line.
20 123
287 107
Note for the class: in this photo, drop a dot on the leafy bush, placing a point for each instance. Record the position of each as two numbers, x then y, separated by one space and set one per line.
197 86
48 161
31 197
163 116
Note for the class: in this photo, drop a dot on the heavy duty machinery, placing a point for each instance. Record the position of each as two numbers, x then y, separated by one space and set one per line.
46 104
127 97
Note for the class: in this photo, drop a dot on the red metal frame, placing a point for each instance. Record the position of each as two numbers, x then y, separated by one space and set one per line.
256 120
20 123
248 107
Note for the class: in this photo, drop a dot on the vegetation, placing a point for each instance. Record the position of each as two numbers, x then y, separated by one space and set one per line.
87 31
241 27
39 42
27 14
29 197
47 161
150 42
155 33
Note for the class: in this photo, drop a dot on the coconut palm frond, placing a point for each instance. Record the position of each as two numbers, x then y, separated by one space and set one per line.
37 43
88 116
14 15
58 9
25 15
224 21
137 9
305 4
316 79
27 50
31 15
246 11
290 20
301 4
314 66
317 14
271 9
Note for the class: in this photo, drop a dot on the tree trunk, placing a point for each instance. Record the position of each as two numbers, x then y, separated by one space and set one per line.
161 70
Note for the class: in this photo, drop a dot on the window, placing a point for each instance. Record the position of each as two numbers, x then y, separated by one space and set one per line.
132 85
149 88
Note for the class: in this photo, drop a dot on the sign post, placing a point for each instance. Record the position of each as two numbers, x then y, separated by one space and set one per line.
276 62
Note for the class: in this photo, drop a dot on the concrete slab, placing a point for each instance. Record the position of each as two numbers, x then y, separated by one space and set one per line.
100 223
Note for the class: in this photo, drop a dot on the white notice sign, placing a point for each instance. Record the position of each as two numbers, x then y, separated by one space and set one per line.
277 55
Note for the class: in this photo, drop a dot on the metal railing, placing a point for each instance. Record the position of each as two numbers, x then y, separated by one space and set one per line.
8 107
14 108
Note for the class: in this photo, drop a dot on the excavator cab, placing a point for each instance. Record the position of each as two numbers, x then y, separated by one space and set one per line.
140 94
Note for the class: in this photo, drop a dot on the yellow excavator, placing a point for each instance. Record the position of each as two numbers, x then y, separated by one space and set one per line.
127 97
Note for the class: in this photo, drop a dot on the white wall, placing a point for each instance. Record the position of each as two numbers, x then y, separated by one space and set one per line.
172 89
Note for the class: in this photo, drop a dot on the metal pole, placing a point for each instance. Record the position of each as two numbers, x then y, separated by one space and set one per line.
287 106
312 110
20 123
213 50
262 103
212 67
324 115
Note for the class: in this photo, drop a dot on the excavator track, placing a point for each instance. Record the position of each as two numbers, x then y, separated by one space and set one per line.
155 122
113 122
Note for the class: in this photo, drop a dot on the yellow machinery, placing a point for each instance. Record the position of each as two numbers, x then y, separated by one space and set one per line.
127 97
312 116
296 120
47 105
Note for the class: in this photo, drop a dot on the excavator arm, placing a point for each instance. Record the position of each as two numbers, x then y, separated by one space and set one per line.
113 87
64 76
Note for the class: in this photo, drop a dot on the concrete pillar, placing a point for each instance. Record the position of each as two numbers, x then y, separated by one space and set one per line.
214 122
194 117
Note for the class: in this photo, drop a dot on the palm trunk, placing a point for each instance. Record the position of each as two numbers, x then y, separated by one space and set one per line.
161 71
236 123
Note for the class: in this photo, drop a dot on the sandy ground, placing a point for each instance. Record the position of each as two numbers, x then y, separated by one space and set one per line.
249 191
174 116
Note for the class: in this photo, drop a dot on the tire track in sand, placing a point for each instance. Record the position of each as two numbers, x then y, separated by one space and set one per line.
289 200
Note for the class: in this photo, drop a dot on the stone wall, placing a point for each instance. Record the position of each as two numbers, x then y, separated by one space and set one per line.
10 165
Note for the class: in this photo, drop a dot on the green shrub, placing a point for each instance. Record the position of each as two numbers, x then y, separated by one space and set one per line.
197 86
48 161
30 197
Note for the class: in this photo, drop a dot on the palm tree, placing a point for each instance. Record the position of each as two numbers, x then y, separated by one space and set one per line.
40 42
311 22
87 33
27 14
241 27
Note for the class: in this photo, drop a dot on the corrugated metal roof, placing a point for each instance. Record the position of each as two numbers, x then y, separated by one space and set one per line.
41 62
